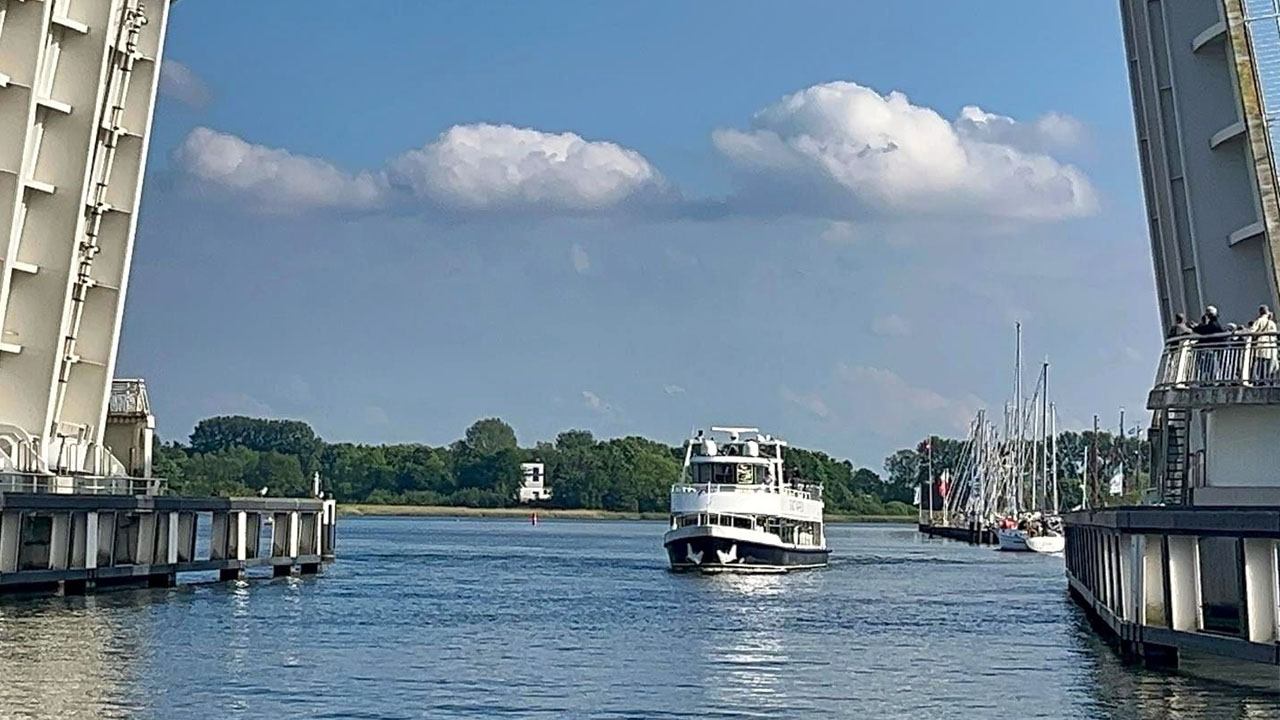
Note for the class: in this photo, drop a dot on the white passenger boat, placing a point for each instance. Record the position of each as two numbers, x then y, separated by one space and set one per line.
737 510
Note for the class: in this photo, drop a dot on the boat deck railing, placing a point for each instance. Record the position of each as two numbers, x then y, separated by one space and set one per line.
1240 359
808 492
81 485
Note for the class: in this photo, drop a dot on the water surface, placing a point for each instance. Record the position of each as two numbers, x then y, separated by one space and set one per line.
443 618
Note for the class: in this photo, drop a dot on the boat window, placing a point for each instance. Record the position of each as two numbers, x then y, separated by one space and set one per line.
723 474
702 473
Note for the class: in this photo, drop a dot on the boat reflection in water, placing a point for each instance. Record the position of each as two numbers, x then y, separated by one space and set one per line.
752 667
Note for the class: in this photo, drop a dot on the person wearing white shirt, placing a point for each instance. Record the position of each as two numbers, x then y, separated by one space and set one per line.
1264 342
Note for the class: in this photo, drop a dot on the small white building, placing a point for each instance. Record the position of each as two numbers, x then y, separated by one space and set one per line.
533 483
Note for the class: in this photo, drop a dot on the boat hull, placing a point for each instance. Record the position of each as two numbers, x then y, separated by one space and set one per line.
706 551
1012 540
1047 544
1019 541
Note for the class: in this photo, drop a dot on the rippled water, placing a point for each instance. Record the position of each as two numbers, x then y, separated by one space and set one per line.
437 618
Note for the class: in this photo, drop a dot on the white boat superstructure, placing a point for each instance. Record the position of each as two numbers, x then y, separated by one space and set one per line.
736 509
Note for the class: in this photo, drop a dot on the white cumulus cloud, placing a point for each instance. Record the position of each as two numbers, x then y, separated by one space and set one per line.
847 150
1052 131
273 179
480 167
900 407
597 404
467 169
839 232
810 403
182 84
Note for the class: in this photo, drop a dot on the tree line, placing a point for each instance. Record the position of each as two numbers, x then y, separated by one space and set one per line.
235 455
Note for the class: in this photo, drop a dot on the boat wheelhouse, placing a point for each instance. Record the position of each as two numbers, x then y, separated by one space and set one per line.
736 509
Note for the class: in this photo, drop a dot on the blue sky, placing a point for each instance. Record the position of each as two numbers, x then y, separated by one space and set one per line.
392 218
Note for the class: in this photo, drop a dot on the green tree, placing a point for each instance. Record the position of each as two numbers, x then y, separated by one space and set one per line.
489 436
220 473
904 469
288 437
281 474
571 440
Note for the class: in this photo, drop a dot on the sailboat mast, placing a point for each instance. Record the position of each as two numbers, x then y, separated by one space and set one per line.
1044 433
1018 420
1036 432
981 464
1053 434
1120 454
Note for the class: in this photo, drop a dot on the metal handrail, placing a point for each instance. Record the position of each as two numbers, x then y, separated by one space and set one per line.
80 485
812 494
129 397
1239 359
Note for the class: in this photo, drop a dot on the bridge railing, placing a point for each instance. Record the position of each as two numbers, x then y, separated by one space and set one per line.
1240 359
129 397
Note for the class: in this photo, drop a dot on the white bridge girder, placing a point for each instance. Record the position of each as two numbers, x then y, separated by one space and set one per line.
1206 99
78 83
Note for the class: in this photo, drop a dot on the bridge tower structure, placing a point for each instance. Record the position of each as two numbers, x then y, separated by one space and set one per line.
1205 82
78 81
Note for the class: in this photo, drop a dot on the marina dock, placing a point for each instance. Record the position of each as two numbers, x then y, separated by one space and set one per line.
973 534
76 543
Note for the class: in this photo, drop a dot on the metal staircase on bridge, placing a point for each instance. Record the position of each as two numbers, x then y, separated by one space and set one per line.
1170 427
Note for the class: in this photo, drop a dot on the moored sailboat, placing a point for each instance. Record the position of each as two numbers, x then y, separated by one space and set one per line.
1035 524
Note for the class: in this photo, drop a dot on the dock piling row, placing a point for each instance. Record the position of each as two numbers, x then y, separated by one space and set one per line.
73 544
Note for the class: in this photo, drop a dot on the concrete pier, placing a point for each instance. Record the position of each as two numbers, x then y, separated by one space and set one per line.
1165 582
79 543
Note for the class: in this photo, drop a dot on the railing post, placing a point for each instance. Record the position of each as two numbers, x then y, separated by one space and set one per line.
1247 360
1184 353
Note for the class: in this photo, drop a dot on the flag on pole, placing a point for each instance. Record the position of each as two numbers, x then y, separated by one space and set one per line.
1117 482
916 501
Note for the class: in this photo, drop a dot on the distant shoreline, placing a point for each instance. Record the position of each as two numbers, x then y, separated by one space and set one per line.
368 510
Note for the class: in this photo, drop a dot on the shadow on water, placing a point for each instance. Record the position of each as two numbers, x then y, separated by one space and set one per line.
478 619
1208 688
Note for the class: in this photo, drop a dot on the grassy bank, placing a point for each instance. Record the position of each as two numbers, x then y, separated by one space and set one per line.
894 519
359 510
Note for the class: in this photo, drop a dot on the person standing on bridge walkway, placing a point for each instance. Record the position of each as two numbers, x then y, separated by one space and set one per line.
1264 344
1180 328
1209 324
1206 362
